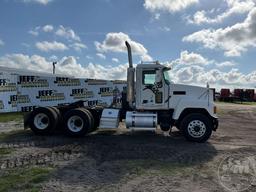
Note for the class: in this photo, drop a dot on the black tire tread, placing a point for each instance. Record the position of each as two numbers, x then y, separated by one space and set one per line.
184 124
53 117
92 118
83 114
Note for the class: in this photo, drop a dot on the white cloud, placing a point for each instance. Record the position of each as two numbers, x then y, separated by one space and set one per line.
33 32
51 46
66 66
190 68
100 55
157 16
251 77
69 65
146 57
191 58
53 58
67 33
48 28
25 45
115 60
166 29
78 46
35 62
189 63
190 74
234 40
43 2
168 5
233 7
63 32
198 75
226 64
1 43
115 42
187 74
199 17
89 57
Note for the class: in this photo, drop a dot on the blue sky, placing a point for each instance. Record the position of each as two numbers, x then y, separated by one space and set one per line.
204 41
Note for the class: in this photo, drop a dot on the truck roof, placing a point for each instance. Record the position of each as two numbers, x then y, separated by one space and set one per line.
150 66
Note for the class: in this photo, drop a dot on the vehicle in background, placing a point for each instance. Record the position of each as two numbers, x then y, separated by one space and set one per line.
238 95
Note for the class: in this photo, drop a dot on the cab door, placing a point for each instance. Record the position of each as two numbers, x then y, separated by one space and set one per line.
153 90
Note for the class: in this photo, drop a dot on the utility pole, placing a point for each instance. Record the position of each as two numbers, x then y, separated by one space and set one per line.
53 65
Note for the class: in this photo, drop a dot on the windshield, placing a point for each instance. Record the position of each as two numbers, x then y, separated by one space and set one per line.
166 76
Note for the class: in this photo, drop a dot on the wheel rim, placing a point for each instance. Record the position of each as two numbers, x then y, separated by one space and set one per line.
196 128
75 123
41 121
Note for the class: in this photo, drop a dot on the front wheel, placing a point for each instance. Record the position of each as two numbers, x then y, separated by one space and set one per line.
196 127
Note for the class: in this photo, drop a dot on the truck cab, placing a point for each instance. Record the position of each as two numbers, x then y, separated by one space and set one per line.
155 100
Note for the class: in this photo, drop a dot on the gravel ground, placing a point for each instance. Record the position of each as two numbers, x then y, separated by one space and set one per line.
11 126
118 160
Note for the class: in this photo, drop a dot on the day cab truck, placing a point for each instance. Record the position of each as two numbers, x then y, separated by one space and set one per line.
150 101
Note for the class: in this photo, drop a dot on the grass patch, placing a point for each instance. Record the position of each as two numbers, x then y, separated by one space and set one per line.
246 103
237 102
7 117
140 167
5 151
12 135
24 179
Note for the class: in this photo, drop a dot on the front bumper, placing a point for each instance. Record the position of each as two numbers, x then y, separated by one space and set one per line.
215 124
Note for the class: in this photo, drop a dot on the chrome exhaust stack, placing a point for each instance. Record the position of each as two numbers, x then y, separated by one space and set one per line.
130 77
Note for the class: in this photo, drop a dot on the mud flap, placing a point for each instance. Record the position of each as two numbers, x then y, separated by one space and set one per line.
26 120
215 124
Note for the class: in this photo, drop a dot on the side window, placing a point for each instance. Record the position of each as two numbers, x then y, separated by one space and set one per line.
149 77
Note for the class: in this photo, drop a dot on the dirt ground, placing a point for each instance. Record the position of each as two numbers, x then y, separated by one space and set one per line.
119 160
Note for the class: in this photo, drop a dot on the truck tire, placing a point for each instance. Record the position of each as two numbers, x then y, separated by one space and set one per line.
59 117
77 122
92 128
96 117
43 120
196 127
57 111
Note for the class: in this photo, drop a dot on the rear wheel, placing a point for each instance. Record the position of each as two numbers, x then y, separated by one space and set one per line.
78 122
196 127
92 128
96 114
43 120
57 111
59 117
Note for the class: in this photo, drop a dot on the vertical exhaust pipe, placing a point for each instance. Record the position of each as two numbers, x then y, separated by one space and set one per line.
130 77
129 54
53 67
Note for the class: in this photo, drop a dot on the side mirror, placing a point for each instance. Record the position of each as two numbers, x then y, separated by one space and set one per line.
158 78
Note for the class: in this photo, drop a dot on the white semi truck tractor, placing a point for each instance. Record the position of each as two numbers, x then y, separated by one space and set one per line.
150 101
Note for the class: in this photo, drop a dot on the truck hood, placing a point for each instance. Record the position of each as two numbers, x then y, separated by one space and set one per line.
191 91
187 96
